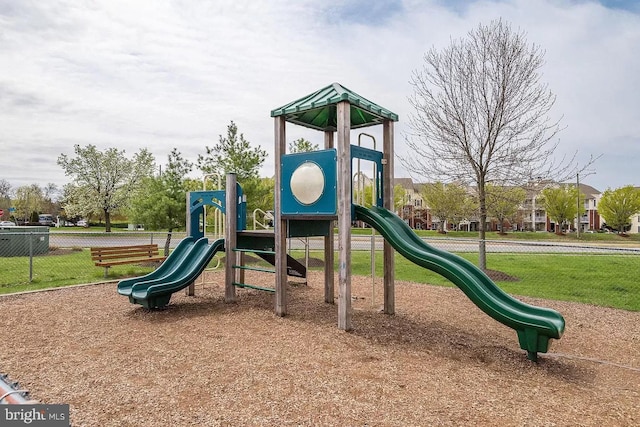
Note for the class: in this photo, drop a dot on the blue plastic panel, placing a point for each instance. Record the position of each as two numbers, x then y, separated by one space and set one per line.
326 203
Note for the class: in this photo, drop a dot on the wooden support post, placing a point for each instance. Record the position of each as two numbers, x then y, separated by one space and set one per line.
191 289
344 215
387 185
280 224
230 237
329 287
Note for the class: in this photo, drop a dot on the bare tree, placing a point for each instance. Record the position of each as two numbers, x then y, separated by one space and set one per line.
29 201
481 116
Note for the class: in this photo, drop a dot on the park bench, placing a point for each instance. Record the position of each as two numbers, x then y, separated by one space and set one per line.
108 256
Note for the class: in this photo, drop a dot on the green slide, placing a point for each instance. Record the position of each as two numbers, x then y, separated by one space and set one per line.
534 325
169 265
181 268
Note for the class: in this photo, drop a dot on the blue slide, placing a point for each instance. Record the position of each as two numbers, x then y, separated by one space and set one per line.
180 269
535 326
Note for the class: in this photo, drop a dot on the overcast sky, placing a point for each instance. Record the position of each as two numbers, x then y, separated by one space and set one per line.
162 74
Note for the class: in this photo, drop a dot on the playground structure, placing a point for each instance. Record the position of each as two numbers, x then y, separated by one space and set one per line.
12 394
193 253
313 190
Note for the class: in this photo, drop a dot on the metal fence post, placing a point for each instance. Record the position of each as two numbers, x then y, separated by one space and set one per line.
30 257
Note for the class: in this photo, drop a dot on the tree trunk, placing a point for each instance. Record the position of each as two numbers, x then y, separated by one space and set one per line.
482 248
167 242
107 221
502 232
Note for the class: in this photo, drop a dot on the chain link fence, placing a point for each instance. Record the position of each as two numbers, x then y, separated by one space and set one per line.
603 274
37 258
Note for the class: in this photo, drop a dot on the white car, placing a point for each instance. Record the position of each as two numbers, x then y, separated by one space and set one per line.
7 224
82 223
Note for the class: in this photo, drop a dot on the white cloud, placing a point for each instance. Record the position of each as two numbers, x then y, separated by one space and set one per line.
160 74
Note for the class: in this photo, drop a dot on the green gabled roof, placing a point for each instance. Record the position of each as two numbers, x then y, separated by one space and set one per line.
318 110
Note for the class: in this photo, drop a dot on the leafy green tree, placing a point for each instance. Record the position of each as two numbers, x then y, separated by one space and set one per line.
160 201
28 199
447 202
503 203
561 204
5 198
399 195
72 209
467 209
104 181
233 153
260 194
301 145
366 198
618 206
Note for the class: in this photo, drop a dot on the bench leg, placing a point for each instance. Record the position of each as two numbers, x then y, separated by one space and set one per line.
106 272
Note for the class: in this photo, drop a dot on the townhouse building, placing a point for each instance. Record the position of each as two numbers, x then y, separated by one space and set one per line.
531 216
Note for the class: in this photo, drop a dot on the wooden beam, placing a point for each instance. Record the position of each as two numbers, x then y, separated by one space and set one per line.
279 223
230 237
344 215
387 188
191 289
329 246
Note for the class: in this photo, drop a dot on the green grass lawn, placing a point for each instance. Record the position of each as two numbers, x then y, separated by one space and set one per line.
52 271
524 235
605 280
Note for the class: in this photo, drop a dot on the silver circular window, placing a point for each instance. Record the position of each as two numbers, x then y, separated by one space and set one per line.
307 183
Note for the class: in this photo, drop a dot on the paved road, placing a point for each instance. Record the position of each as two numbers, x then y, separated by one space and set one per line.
87 239
360 242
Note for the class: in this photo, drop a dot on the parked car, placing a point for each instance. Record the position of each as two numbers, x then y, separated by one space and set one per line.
7 224
46 219
82 223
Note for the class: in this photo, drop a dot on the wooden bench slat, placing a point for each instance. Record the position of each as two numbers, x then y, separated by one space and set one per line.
145 245
129 261
133 254
123 248
107 256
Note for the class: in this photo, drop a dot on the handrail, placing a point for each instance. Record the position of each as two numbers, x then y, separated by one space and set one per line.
256 222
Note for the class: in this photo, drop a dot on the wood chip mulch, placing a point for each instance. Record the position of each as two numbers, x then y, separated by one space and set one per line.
438 361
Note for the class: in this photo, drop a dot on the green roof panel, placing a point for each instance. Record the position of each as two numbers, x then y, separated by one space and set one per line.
318 110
